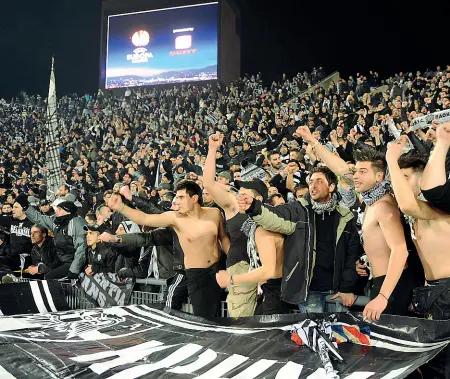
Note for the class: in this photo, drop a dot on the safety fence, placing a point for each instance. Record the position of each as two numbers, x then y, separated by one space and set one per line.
77 300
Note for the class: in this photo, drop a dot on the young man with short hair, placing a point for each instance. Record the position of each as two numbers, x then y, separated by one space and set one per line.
321 245
241 299
199 230
431 233
100 257
382 230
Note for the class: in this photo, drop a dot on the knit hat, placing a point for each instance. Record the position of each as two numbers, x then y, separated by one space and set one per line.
68 206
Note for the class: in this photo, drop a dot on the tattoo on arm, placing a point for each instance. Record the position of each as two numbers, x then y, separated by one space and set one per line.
348 178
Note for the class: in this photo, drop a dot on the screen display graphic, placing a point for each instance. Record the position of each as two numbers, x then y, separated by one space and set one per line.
164 46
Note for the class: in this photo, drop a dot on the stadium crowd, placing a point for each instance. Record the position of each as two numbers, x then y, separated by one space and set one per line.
245 187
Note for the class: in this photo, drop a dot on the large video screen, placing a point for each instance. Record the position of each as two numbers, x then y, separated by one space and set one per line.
163 46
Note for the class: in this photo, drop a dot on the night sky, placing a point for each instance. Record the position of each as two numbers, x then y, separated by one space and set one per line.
277 37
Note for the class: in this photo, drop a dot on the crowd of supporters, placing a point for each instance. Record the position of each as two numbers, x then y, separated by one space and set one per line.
310 190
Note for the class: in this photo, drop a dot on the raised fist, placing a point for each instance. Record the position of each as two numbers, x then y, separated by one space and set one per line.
244 202
305 133
126 193
215 140
115 202
106 237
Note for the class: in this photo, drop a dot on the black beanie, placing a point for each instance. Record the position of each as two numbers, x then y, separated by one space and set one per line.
68 206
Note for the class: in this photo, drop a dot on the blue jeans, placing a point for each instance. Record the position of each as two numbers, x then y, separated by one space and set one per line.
315 303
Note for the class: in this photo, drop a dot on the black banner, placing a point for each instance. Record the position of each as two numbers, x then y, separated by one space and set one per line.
144 342
37 296
106 290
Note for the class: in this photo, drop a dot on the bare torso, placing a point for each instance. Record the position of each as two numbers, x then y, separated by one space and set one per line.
199 238
433 242
279 245
375 244
274 245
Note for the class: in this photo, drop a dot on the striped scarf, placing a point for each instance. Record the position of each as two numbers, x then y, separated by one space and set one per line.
376 193
329 206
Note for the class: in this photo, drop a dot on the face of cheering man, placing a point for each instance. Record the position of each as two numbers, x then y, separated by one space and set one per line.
413 177
319 188
17 211
45 208
366 176
92 238
59 212
275 161
63 191
185 202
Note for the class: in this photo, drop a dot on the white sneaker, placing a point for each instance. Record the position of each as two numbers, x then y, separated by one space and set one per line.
9 278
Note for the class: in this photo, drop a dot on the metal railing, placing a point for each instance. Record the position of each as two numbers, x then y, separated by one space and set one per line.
77 300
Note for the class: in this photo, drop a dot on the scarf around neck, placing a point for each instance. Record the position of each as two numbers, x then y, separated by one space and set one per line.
329 206
412 220
376 193
61 221
348 196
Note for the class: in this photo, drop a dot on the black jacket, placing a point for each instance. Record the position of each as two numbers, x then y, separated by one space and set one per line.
296 221
45 256
166 237
102 258
159 238
69 239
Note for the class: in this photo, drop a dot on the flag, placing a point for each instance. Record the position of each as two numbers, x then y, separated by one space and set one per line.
140 341
32 297
106 290
250 171
53 162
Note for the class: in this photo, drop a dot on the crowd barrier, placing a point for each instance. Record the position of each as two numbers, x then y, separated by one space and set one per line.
77 300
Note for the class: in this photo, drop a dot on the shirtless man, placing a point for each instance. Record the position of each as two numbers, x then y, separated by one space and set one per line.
382 230
199 231
265 251
241 299
431 234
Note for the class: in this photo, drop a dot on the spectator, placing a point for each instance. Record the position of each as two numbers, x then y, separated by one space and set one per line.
19 229
100 257
69 238
44 207
43 254
334 269
276 199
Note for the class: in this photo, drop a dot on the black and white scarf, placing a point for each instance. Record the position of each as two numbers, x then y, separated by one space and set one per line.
348 196
329 206
249 229
412 220
376 193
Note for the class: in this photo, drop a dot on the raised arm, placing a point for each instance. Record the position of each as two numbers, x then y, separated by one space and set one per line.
434 174
406 199
282 219
38 218
223 236
141 218
334 163
220 193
